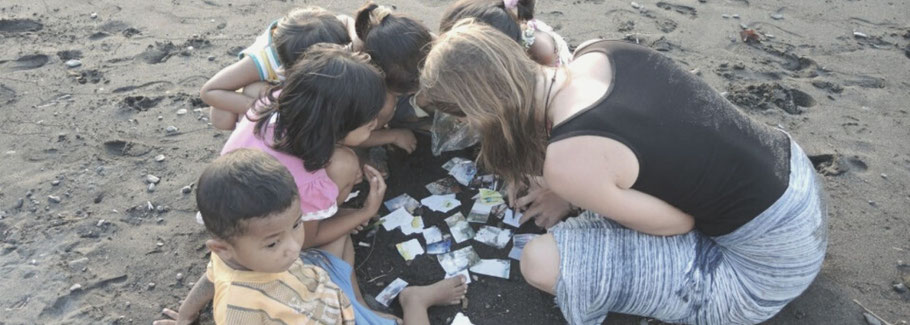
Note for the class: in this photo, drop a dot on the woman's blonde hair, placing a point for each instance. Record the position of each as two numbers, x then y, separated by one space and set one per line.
477 72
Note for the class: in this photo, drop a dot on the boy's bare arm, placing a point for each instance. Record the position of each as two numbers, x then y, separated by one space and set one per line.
201 293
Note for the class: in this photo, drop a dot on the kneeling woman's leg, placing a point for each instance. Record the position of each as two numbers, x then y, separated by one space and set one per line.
540 263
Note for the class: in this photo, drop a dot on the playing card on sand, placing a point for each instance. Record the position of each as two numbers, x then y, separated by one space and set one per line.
459 228
493 236
454 161
441 203
409 249
413 227
494 267
467 276
489 197
458 260
443 186
461 319
402 201
390 292
512 218
441 247
518 244
396 219
480 212
464 172
432 235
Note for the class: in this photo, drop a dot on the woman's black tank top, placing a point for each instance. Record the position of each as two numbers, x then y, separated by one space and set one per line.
696 151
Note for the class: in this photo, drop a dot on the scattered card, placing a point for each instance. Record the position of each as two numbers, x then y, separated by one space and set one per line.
440 247
518 244
480 212
494 267
499 211
464 172
461 319
488 181
441 203
410 249
403 201
454 161
489 197
432 235
512 218
390 292
396 219
459 228
467 276
413 227
455 261
493 236
443 186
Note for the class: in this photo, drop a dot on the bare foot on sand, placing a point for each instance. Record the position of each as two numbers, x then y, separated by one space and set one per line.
446 292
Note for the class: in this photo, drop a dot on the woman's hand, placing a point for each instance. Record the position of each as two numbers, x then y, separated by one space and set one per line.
546 208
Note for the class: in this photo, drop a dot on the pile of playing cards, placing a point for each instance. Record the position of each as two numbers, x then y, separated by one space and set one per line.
403 201
493 236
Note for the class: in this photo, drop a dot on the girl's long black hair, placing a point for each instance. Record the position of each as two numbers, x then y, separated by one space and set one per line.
328 93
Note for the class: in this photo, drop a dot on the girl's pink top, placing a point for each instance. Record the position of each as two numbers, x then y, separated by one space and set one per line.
317 191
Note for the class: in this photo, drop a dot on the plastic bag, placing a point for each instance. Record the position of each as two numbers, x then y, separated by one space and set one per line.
449 134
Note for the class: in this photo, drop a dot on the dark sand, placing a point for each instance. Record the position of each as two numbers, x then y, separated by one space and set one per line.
97 129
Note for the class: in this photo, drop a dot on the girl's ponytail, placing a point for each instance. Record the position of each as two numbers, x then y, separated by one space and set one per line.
369 16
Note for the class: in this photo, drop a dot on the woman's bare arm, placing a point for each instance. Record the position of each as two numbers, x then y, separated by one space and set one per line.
596 173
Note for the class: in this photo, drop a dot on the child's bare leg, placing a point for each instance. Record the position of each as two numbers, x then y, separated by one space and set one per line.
416 300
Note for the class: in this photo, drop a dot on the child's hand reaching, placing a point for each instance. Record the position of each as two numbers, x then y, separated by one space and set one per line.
404 139
377 189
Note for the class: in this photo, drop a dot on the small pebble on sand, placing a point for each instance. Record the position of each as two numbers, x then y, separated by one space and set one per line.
76 287
860 35
151 285
160 158
186 189
777 16
55 182
635 5
171 129
54 199
179 276
211 58
181 111
152 179
735 16
101 223
73 63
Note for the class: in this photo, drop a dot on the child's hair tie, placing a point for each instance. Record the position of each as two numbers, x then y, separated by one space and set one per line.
378 14
510 4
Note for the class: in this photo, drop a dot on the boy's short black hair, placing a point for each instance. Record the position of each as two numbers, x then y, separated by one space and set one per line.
241 185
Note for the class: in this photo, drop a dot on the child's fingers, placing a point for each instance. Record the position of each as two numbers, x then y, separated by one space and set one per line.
169 313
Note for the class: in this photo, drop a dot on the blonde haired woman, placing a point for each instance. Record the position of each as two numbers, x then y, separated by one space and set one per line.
651 153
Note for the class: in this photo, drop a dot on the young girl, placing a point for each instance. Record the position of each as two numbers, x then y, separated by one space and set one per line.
516 19
280 45
396 44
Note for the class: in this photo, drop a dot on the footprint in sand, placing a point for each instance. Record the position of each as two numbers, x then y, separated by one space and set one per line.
15 26
685 10
7 95
141 103
769 95
27 62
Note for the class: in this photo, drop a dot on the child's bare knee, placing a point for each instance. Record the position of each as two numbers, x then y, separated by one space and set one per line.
540 263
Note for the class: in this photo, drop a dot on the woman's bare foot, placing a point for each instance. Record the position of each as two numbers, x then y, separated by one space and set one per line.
446 292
